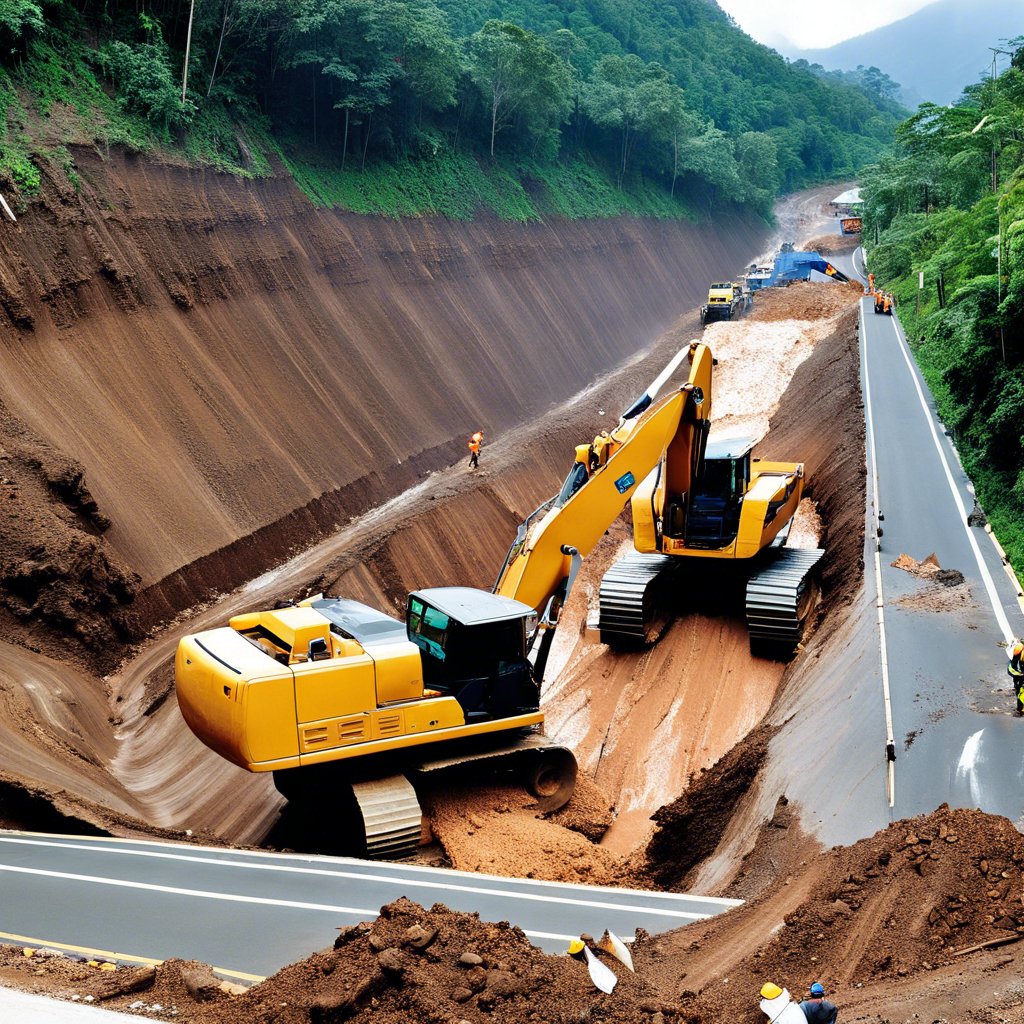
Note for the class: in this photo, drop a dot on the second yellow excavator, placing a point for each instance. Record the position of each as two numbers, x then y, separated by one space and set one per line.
695 500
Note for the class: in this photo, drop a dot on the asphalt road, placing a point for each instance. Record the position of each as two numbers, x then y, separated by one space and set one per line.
250 913
956 739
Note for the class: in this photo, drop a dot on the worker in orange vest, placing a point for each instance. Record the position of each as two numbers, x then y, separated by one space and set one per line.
474 449
871 284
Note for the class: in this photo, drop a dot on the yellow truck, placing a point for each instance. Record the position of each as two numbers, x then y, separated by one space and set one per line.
726 300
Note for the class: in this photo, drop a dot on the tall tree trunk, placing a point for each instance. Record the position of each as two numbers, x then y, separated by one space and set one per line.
188 50
675 162
220 43
622 162
366 140
344 145
494 121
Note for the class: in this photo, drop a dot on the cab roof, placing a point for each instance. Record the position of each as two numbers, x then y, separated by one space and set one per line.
472 607
359 621
728 447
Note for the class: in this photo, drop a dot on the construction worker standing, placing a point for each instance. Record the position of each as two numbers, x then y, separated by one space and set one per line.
817 1009
474 449
1015 670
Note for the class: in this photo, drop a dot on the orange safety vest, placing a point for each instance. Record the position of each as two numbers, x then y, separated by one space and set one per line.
474 441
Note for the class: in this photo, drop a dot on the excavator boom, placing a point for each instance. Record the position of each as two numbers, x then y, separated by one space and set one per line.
569 525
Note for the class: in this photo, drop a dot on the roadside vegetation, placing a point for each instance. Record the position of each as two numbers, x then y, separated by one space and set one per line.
580 109
949 202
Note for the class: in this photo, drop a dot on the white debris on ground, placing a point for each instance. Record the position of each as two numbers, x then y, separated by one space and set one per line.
31 1009
756 361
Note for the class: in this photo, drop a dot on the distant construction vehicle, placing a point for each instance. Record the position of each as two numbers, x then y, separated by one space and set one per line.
726 301
788 266
350 708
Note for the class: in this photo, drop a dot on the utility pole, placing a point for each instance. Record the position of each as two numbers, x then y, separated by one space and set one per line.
188 47
992 78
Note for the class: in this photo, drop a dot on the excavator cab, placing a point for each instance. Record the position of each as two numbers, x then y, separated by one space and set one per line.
474 649
714 515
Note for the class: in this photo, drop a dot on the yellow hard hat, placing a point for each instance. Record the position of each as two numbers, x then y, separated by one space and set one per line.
769 990
576 947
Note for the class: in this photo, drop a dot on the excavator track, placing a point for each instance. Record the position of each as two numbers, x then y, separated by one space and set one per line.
392 818
780 595
629 599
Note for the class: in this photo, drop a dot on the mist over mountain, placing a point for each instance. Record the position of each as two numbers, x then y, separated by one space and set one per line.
932 53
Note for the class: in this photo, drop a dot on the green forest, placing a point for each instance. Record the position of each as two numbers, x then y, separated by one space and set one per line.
530 107
948 202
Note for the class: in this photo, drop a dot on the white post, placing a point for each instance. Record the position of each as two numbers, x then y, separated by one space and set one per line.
7 209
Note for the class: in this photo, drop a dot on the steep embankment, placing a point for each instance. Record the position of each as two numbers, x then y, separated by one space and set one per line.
219 357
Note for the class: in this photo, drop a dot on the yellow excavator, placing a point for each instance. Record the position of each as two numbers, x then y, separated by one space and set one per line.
350 708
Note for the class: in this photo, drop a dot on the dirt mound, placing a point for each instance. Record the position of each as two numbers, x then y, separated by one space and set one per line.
56 573
892 906
415 965
804 300
491 830
832 245
929 569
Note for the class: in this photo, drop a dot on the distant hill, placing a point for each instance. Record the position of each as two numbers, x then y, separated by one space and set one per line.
932 53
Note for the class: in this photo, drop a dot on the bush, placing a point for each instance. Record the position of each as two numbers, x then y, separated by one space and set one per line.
19 19
145 84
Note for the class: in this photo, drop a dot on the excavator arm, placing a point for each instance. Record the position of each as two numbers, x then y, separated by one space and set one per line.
542 562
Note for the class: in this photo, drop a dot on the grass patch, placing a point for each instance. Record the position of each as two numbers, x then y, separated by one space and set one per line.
457 186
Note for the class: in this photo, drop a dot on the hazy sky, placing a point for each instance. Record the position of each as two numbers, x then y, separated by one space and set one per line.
809 24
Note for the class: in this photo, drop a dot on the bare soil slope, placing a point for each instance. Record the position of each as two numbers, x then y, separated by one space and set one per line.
236 372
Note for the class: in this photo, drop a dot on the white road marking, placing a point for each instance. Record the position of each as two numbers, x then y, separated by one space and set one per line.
361 914
879 594
968 763
174 890
156 849
358 876
986 577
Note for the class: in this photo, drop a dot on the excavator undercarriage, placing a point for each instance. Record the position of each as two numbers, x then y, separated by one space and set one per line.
641 593
375 803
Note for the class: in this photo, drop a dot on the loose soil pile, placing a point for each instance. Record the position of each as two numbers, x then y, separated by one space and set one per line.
804 300
832 245
946 590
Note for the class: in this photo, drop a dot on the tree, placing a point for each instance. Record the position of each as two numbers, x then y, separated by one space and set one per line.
519 75
629 96
19 19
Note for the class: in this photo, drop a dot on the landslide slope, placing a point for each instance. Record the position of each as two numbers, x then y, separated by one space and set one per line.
215 370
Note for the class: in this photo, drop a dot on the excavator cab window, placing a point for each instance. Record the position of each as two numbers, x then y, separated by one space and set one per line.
428 628
482 665
714 516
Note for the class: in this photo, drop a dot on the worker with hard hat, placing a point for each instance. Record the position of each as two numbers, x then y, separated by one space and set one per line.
779 1007
474 449
817 1009
1015 670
